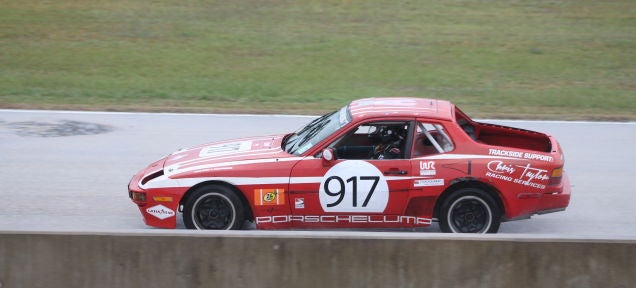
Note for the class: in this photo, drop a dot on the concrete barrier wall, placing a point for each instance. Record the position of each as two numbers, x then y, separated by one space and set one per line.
291 260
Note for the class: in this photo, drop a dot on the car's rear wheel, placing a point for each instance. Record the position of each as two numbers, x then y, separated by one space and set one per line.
469 210
213 207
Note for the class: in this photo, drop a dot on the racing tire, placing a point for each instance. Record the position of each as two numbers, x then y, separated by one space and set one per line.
469 210
213 207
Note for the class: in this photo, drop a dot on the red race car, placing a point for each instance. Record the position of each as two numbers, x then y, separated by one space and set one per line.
375 163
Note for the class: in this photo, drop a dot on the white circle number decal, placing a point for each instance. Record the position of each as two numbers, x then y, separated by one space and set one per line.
353 186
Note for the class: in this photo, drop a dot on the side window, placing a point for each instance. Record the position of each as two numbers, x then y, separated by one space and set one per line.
431 138
375 140
463 121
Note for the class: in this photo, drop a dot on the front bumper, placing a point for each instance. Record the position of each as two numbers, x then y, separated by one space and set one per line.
158 206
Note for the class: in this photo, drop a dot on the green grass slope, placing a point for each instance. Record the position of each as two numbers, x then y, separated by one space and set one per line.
516 59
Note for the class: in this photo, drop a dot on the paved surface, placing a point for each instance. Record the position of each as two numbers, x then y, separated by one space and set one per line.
68 171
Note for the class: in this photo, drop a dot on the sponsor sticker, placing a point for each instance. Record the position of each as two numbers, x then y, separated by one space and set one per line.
269 197
300 203
428 182
160 211
427 168
520 174
500 167
519 154
428 172
393 219
226 148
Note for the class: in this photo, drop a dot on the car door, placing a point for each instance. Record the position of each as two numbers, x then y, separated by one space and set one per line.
368 179
436 164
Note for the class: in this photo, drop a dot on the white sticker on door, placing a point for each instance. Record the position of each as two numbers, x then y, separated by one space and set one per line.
354 186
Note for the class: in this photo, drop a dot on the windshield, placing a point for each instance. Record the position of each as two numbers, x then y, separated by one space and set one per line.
314 132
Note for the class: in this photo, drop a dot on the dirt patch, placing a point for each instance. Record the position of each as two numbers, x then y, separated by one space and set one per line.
57 129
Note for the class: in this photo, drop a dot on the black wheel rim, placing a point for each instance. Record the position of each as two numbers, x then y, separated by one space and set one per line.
213 212
470 214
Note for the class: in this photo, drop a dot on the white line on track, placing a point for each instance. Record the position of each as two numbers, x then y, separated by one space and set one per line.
286 116
151 113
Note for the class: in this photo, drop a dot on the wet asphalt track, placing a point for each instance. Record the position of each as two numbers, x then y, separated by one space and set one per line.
68 171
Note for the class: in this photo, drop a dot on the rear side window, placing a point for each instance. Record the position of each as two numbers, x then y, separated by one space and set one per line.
431 138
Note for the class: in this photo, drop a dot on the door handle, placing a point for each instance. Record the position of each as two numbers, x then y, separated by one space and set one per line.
396 172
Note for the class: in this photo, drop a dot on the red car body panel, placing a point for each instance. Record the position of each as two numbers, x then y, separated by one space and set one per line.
523 168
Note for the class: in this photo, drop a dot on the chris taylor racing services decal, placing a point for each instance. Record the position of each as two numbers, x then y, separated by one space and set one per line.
519 174
353 186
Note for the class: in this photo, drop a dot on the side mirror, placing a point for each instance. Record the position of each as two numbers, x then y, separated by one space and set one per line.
328 155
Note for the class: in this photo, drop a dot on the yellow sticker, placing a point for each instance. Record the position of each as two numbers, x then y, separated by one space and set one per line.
269 196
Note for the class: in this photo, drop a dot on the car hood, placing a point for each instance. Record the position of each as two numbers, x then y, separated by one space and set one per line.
216 155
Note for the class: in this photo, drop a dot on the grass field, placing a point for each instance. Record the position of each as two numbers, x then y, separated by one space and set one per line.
515 59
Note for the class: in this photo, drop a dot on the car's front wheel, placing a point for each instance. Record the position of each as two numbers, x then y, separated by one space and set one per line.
213 207
469 210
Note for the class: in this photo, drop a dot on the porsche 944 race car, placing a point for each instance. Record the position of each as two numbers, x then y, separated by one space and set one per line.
374 163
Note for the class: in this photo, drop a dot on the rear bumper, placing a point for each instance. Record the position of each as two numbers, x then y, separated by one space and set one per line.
555 199
550 211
